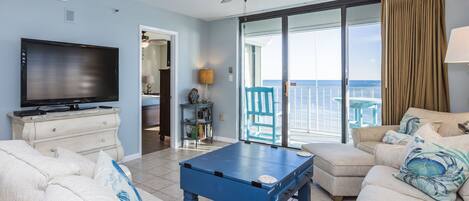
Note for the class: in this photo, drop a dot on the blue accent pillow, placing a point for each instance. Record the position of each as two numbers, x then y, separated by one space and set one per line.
393 137
409 124
435 169
108 173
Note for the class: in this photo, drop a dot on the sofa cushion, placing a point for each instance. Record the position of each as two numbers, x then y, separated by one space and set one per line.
368 147
340 159
86 165
464 191
390 155
78 188
449 121
25 170
373 193
383 176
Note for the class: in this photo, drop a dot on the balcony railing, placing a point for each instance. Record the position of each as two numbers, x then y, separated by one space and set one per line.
317 109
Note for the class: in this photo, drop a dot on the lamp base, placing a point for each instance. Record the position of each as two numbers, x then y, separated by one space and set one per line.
205 99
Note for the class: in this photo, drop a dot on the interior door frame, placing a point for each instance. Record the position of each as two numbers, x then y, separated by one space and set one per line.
343 5
174 115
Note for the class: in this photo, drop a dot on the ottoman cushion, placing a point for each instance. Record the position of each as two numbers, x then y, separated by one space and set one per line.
368 147
341 160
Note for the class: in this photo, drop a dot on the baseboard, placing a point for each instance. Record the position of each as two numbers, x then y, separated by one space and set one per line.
225 139
131 157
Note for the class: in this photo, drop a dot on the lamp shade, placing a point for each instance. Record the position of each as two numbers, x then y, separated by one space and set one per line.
148 79
458 48
206 76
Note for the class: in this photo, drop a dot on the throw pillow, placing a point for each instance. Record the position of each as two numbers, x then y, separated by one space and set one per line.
437 166
410 124
393 137
108 173
86 165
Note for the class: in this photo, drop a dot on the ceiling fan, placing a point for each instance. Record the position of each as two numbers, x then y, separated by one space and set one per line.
146 41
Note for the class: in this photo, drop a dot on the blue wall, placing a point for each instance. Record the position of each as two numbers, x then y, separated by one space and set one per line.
96 24
222 49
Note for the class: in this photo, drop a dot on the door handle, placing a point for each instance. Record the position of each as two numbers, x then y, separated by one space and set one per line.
286 87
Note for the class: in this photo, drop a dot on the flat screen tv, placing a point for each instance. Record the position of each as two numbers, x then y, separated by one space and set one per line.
57 73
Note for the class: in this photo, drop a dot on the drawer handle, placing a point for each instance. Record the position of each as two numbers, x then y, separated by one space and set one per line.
103 140
54 129
105 122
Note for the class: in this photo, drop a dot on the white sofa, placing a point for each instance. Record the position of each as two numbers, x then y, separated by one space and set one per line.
380 184
27 175
340 169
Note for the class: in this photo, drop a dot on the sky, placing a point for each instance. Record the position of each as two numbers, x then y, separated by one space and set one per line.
317 54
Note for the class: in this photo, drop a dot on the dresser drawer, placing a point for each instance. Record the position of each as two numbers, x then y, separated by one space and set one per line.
75 125
78 143
114 152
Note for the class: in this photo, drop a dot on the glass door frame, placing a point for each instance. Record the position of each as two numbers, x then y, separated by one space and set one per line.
343 5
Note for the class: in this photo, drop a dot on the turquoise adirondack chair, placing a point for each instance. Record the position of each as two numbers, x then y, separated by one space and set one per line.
260 105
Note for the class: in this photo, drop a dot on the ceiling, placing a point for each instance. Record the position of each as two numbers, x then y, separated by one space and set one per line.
212 9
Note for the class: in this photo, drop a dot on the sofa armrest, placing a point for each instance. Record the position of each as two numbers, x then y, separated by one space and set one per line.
390 155
370 134
126 171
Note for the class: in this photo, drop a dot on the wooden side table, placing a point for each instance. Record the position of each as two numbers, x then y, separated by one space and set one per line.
200 124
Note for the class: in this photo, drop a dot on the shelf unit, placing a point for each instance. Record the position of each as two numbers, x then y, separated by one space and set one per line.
202 117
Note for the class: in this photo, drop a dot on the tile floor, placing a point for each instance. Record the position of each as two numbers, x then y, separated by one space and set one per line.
158 172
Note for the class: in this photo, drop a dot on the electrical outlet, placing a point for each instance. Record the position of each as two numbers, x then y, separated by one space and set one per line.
221 116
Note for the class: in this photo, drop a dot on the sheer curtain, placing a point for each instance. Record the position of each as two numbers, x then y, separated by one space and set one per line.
413 69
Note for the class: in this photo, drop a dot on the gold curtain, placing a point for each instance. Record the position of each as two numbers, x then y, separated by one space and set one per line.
414 46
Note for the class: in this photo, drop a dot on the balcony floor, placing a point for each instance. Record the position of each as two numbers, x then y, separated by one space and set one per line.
299 137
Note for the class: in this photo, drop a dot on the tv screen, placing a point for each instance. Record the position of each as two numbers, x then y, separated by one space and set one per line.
55 73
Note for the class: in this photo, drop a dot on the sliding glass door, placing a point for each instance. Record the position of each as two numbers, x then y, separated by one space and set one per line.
315 77
364 66
262 83
309 75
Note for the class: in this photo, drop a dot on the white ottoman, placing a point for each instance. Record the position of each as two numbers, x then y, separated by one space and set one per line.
339 168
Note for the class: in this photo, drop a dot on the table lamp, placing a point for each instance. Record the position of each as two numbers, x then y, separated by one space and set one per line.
206 78
458 48
458 52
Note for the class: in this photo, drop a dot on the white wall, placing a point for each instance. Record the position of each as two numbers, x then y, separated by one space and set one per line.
96 24
457 15
154 58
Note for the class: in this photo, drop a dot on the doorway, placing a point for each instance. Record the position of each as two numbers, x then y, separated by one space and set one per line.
156 88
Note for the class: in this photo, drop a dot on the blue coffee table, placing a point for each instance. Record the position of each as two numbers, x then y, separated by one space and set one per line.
231 174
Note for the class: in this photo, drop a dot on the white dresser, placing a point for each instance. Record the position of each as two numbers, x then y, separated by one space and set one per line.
85 132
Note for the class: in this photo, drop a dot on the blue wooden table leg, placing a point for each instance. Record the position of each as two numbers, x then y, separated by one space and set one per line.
304 194
188 196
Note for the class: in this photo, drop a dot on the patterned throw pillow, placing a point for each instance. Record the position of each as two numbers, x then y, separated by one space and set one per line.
393 137
436 167
409 124
109 174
